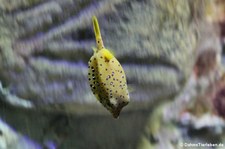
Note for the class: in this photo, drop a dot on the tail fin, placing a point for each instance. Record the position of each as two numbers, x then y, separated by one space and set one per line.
98 36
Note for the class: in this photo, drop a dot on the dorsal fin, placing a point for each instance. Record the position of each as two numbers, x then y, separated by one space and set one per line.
108 55
98 36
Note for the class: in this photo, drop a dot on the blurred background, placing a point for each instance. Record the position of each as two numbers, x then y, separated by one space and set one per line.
172 52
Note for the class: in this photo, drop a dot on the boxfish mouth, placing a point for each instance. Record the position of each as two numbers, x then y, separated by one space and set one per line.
116 111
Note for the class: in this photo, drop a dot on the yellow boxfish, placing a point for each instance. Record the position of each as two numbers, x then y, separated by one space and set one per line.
106 76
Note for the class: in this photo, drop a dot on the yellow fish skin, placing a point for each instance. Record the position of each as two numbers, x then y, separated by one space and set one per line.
106 77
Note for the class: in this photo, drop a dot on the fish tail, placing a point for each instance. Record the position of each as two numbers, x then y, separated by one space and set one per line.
97 32
96 26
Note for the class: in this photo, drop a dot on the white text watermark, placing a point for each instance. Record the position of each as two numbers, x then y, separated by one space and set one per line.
201 145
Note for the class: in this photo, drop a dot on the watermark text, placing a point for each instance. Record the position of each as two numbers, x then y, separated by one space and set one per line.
190 145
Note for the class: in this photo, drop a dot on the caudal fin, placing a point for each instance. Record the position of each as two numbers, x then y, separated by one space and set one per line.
98 36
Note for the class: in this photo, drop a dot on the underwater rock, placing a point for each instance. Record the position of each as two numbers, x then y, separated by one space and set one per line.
46 62
13 100
9 139
207 120
44 50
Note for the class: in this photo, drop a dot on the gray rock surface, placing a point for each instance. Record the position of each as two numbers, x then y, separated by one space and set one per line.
9 139
44 50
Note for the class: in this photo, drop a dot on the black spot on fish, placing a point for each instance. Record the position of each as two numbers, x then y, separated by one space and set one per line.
123 102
